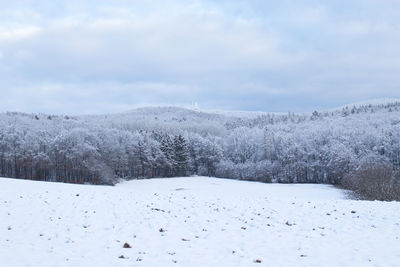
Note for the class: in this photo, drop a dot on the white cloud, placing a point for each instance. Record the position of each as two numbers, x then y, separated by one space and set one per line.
182 42
18 34
174 51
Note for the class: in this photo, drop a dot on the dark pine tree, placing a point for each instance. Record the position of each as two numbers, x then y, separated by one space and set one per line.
167 147
181 156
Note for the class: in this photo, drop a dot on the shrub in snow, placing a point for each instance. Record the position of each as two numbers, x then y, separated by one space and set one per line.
374 179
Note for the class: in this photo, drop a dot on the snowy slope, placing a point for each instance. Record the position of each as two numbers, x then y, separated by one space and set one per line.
204 221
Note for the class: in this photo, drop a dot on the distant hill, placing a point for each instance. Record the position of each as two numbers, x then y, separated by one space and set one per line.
317 147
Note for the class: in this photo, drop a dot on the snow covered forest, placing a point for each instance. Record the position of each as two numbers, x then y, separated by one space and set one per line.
343 146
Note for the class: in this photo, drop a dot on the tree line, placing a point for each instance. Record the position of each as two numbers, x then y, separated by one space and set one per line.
322 147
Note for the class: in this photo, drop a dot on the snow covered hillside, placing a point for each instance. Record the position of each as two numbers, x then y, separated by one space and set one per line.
322 147
193 222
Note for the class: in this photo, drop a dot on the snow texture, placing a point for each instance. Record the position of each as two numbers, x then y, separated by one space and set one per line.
193 221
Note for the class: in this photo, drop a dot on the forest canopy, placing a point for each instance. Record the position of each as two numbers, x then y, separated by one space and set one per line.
320 147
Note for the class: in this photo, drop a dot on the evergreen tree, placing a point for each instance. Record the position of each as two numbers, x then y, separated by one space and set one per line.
181 156
167 147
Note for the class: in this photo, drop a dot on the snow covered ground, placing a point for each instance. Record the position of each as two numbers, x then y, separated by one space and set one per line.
193 222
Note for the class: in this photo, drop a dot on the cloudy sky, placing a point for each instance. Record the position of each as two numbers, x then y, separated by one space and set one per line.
100 56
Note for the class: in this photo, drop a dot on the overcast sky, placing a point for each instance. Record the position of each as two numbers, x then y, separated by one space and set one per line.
99 56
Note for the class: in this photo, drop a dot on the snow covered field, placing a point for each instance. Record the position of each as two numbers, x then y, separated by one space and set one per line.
193 222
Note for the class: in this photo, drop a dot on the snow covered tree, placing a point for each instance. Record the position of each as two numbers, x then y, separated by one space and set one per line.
180 156
324 147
